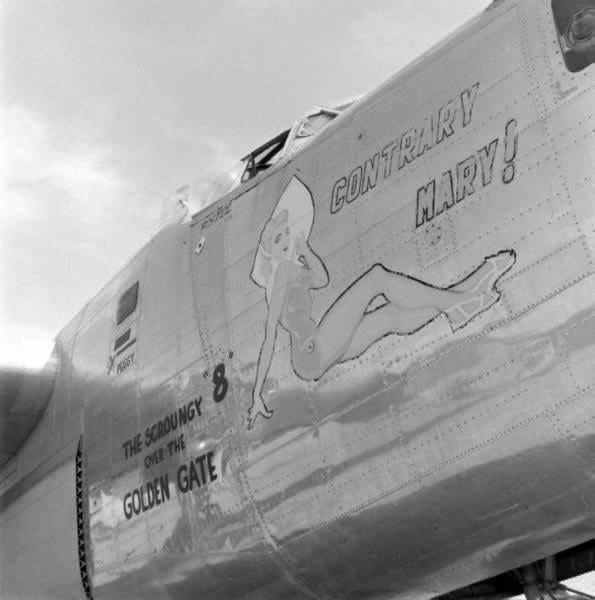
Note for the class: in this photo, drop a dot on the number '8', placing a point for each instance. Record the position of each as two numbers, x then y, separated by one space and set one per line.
220 382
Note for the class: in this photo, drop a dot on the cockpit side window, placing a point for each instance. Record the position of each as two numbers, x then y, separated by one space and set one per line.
127 303
287 143
575 23
264 156
315 122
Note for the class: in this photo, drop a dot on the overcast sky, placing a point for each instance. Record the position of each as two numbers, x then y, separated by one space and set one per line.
108 106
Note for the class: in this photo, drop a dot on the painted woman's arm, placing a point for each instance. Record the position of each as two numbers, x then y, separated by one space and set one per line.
319 273
268 346
312 262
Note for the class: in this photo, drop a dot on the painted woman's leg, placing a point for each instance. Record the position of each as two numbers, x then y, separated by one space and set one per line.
489 272
342 319
481 286
406 296
386 320
394 319
410 293
461 302
412 304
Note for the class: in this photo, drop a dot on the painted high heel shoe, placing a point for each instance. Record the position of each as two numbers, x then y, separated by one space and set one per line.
460 314
481 285
485 277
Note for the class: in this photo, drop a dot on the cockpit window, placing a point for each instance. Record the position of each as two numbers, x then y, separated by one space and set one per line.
289 141
264 156
208 189
575 22
314 123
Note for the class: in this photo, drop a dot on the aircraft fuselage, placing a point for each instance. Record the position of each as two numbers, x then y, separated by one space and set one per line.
365 372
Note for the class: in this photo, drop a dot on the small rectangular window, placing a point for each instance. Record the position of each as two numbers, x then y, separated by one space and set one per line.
575 22
122 339
127 303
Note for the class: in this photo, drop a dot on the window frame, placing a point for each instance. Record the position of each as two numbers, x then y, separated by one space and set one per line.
577 54
127 303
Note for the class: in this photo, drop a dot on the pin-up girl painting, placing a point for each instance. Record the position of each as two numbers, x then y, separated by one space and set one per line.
288 270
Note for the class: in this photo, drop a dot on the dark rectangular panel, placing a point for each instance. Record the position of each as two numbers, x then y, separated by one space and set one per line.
127 303
122 339
575 22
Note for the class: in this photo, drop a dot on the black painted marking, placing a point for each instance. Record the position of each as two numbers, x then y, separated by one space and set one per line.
128 345
110 363
220 382
122 339
82 523
127 303
511 146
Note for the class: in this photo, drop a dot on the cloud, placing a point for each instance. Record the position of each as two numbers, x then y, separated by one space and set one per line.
29 159
217 177
25 346
60 200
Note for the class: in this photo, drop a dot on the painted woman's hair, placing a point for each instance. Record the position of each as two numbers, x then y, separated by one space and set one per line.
296 208
264 266
272 225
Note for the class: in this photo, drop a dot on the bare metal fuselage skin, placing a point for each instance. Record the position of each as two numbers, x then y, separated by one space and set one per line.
432 458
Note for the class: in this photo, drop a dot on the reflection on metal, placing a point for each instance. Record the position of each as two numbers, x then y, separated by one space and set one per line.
24 396
82 522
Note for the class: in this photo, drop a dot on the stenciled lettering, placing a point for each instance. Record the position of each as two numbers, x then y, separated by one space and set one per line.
354 184
170 423
338 196
425 203
147 496
487 156
166 425
470 174
198 472
125 364
412 144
